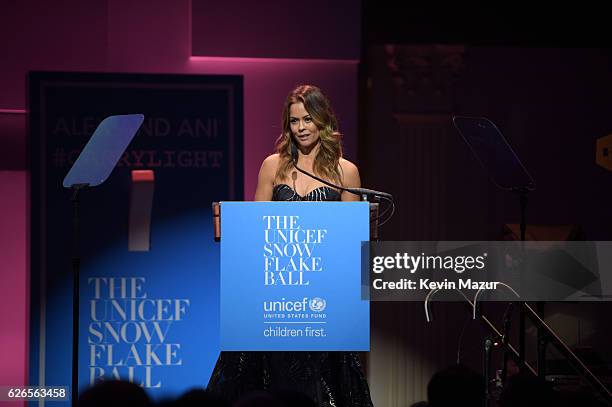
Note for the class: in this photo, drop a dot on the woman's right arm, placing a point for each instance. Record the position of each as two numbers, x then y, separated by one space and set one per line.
265 181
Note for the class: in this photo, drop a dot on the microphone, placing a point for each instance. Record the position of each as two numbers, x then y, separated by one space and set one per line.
369 192
362 192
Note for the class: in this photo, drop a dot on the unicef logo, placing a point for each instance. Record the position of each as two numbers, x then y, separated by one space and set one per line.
317 304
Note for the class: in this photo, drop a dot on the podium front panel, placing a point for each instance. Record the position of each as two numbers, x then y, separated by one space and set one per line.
291 278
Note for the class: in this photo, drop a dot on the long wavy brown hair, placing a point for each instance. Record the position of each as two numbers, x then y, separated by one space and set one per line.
326 163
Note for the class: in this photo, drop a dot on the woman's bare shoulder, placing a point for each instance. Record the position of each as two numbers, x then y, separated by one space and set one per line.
269 167
350 174
265 181
348 168
271 163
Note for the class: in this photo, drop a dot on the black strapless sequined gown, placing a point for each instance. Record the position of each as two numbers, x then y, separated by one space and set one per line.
329 378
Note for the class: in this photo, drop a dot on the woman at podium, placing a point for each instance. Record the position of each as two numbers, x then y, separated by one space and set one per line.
310 140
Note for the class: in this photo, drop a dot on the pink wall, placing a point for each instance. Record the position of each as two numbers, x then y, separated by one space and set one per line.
277 29
13 279
128 36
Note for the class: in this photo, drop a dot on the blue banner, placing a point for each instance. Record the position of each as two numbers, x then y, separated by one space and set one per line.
148 315
291 276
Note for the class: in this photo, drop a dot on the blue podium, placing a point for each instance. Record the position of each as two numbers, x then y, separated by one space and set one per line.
291 276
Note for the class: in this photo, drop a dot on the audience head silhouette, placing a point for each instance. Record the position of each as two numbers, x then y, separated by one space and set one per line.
456 386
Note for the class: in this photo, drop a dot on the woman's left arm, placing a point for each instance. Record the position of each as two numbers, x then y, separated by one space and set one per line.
350 179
